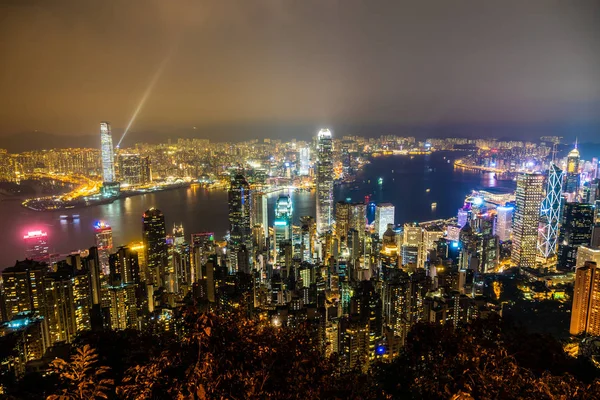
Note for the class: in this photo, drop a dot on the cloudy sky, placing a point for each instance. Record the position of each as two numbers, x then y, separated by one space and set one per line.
66 65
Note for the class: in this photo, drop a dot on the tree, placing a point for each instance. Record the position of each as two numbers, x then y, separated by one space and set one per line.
81 378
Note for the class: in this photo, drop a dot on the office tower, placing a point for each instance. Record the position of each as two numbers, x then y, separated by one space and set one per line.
104 244
504 217
342 219
108 158
134 169
529 196
324 172
154 234
585 313
550 212
282 226
203 246
358 219
239 218
124 266
304 165
36 246
572 180
24 288
587 253
260 213
384 215
575 230
463 216
308 233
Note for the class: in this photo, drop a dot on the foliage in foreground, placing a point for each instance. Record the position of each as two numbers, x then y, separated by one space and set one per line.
228 356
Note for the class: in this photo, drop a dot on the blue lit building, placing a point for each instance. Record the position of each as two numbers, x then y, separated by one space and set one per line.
550 212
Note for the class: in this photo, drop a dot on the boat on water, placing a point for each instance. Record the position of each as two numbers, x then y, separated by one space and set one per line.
71 217
433 205
427 190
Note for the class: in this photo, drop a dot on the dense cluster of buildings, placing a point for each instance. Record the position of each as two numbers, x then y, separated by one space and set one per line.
358 286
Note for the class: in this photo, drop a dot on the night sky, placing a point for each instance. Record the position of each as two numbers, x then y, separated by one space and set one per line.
241 67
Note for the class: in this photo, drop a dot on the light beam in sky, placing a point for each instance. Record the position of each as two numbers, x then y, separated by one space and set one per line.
147 92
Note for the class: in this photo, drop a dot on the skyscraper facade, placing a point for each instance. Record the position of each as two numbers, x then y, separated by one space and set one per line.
384 215
108 158
104 243
529 195
585 313
134 169
282 226
572 180
155 245
575 231
504 217
550 212
240 230
324 173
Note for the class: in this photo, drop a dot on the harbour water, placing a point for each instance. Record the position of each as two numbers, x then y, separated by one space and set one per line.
404 182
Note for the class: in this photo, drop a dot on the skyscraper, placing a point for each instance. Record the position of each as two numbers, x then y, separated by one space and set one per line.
572 178
342 219
36 246
575 230
384 215
134 169
239 217
104 243
529 196
550 212
324 181
260 214
108 158
585 313
304 161
283 221
24 288
155 245
504 217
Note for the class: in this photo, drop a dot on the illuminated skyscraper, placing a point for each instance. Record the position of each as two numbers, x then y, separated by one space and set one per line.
342 219
108 158
585 313
575 231
550 212
324 181
155 245
36 246
504 216
240 229
24 288
260 213
282 226
104 243
384 215
572 178
529 195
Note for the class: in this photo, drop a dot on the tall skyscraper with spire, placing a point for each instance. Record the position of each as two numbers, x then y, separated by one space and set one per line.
324 172
550 212
108 158
529 195
573 178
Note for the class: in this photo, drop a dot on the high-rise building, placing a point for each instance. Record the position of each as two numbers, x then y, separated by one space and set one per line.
134 169
550 212
572 177
124 266
240 230
104 243
260 213
155 245
282 226
529 195
24 288
342 219
575 231
108 158
585 313
504 217
384 215
324 173
36 246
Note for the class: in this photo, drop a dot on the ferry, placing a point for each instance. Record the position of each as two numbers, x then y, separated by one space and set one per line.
433 205
72 217
427 190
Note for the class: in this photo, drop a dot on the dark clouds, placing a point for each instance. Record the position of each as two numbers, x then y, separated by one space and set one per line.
68 64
